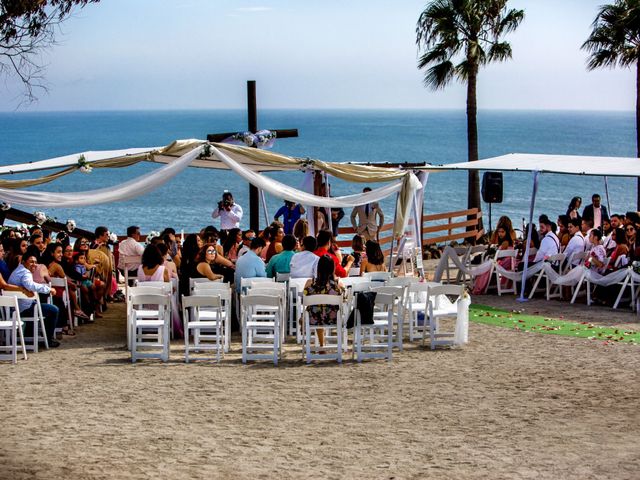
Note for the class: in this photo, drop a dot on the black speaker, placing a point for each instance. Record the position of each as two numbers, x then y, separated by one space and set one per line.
492 187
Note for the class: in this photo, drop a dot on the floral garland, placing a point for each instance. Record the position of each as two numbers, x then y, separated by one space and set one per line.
260 139
151 235
71 225
4 206
84 165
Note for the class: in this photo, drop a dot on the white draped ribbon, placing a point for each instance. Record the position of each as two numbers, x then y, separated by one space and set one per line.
286 192
125 191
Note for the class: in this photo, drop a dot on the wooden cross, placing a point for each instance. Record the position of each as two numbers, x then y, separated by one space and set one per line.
252 116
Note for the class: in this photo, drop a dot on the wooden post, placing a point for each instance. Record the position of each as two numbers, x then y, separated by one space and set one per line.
252 124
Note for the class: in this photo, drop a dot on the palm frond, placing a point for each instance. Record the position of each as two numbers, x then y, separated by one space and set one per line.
438 76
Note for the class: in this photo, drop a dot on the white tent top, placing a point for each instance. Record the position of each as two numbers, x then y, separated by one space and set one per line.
564 164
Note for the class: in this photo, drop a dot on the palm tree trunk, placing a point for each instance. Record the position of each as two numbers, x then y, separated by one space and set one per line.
473 192
638 129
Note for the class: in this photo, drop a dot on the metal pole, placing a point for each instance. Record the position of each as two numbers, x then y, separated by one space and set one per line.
528 240
606 191
252 124
395 216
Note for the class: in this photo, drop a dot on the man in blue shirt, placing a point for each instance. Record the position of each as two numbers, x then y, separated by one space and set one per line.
290 213
280 263
250 265
22 276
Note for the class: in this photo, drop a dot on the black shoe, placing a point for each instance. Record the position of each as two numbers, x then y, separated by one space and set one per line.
53 343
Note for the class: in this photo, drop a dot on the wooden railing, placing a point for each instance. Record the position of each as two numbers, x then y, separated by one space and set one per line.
385 235
455 228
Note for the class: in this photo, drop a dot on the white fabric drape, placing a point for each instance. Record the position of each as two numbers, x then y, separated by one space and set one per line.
125 191
461 334
450 254
581 273
286 192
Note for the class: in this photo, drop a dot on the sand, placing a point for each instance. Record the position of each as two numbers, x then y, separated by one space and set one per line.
508 405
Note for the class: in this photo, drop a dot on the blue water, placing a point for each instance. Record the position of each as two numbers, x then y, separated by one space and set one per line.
333 135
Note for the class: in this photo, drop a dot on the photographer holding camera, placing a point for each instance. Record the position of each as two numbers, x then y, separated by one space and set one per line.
229 212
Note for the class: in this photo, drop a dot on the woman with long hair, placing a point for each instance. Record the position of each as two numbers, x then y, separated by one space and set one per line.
573 210
504 242
205 258
357 248
301 229
324 283
152 267
232 244
375 258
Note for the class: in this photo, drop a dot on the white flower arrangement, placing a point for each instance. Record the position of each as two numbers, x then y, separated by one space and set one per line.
113 237
40 217
151 235
71 225
4 206
84 166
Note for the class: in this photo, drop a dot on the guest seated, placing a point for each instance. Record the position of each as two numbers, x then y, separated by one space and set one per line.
633 242
232 244
280 263
357 248
620 253
201 266
276 234
505 242
323 283
22 276
130 247
573 210
375 258
17 248
301 229
597 254
168 262
507 225
247 237
303 264
576 241
550 244
152 268
324 243
563 230
250 265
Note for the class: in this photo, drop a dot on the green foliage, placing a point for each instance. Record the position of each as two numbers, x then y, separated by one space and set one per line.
459 36
615 39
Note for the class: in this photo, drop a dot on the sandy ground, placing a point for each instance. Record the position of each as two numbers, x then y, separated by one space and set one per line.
508 405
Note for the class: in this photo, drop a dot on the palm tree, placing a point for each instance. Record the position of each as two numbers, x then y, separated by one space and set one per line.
615 41
466 32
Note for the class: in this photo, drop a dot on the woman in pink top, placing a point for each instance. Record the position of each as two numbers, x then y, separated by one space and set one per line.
152 268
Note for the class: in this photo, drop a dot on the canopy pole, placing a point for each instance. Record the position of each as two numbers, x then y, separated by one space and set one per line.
264 208
395 217
528 240
606 191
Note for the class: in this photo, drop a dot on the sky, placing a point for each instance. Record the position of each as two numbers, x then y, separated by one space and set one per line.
356 54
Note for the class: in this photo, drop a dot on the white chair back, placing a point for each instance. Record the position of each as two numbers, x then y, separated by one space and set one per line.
377 276
11 325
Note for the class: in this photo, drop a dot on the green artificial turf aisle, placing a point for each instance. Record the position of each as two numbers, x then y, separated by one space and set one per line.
531 323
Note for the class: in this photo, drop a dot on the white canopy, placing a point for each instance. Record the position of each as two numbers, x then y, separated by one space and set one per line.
564 164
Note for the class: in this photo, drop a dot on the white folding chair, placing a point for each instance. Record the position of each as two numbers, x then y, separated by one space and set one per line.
313 352
295 287
63 285
208 334
11 327
354 272
557 261
505 254
439 306
246 283
261 333
148 313
223 290
272 289
376 340
399 294
130 262
169 288
377 276
150 333
37 320
416 308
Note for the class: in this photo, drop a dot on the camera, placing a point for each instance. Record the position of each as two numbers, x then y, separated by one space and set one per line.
224 204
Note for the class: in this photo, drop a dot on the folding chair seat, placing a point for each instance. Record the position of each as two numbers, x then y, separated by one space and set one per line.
150 332
439 306
261 335
223 290
37 320
313 352
11 328
376 340
207 330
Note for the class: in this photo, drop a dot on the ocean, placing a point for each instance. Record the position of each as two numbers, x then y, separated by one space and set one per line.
438 137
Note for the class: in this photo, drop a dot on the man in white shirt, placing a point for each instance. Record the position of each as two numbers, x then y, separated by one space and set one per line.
577 241
130 247
303 264
549 245
229 212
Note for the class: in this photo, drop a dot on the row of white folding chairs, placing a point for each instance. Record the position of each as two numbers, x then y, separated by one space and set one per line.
11 329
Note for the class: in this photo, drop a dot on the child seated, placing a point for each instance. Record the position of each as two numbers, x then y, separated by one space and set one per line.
84 269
